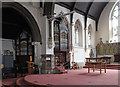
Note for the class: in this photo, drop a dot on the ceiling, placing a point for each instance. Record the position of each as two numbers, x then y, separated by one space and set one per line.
91 9
88 8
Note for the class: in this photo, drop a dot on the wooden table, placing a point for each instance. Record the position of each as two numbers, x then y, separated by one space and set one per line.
96 63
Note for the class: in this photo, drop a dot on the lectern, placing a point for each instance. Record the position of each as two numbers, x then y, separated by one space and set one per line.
30 66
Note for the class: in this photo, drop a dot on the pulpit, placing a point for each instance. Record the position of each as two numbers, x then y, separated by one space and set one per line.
47 61
30 67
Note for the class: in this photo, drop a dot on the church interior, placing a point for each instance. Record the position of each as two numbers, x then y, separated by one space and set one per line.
60 44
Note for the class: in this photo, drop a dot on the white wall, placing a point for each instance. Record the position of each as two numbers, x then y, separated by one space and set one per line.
7 44
59 9
93 37
79 55
103 24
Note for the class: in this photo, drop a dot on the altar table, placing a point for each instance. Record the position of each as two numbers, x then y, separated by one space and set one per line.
96 63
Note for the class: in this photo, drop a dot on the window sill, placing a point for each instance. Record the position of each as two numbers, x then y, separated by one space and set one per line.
78 46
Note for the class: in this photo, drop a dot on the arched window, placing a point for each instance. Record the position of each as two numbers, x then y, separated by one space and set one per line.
89 35
114 23
61 34
78 33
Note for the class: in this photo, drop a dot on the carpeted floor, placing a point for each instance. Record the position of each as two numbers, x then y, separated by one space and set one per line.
76 77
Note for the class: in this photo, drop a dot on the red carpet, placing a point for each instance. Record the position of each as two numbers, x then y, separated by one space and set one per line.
75 77
10 81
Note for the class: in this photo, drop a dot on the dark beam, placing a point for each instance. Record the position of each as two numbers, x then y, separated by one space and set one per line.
64 5
74 5
48 9
86 15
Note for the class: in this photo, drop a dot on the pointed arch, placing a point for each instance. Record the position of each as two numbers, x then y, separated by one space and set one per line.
27 16
65 19
78 33
114 23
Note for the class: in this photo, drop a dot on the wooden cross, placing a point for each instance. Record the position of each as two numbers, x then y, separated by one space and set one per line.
73 54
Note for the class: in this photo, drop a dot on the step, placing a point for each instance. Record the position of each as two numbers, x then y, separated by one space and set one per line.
9 82
61 69
21 83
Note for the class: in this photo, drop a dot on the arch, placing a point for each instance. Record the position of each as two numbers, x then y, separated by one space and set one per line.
111 28
65 20
28 17
78 33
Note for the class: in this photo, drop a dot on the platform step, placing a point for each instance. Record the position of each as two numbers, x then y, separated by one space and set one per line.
61 69
21 83
9 82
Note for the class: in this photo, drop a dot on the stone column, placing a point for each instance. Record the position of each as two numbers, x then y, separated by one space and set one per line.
85 39
37 53
71 44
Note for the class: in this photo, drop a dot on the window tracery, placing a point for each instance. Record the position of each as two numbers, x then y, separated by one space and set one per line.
78 33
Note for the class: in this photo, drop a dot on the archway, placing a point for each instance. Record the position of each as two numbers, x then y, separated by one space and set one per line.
20 27
27 16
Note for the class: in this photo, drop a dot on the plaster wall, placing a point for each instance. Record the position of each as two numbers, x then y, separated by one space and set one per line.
59 9
93 37
103 24
79 55
7 44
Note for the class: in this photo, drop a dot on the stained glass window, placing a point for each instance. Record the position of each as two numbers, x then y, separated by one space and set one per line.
114 23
